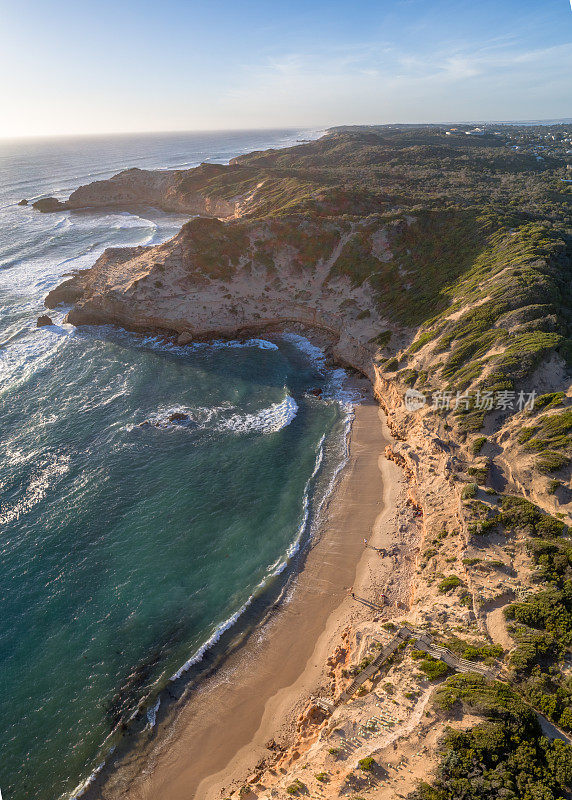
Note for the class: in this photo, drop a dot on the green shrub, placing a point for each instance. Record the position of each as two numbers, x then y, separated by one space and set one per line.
520 515
551 432
424 339
366 764
550 400
433 668
472 652
382 339
479 474
448 583
408 376
469 491
551 461
297 787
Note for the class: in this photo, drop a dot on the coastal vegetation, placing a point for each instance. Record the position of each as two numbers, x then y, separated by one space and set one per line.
430 666
505 755
464 245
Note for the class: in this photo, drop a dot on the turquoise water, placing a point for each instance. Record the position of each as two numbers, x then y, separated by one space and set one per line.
127 540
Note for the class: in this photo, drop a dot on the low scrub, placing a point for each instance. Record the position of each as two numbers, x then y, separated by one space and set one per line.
448 583
505 756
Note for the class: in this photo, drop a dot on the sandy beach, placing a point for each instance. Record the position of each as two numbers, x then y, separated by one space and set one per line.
222 730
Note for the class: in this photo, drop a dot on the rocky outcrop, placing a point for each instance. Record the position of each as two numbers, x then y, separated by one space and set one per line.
67 292
215 279
43 320
47 204
181 191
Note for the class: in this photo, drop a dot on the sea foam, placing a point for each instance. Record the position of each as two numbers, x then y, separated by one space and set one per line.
314 353
223 418
267 420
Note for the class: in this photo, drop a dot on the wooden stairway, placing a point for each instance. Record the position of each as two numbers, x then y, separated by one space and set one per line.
403 635
422 642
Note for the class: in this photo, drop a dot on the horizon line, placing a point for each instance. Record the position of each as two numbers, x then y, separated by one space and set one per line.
173 131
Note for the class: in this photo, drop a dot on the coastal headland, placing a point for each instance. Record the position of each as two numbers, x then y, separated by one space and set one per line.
440 270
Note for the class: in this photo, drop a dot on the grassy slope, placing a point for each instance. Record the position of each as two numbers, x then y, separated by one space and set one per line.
466 221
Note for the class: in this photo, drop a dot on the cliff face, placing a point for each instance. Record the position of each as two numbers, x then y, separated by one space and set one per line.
170 190
211 280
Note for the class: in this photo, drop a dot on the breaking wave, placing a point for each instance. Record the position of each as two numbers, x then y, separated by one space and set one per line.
268 420
223 418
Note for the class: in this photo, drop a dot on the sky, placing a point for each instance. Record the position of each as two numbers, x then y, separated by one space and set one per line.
98 66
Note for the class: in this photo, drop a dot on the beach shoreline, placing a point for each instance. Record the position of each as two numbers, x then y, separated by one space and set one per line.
220 731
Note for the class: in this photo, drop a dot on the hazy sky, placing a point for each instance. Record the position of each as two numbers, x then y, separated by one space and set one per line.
91 66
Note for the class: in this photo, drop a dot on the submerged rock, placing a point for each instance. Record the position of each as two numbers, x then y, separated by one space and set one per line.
43 320
174 418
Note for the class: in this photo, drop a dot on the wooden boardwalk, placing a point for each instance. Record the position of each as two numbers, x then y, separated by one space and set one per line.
401 636
423 642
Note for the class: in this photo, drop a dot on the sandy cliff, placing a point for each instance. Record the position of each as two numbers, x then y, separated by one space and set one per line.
167 287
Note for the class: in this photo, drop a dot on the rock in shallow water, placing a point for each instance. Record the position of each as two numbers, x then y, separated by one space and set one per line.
43 320
178 416
184 338
174 418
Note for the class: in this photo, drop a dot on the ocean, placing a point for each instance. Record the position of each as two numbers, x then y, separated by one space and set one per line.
149 494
